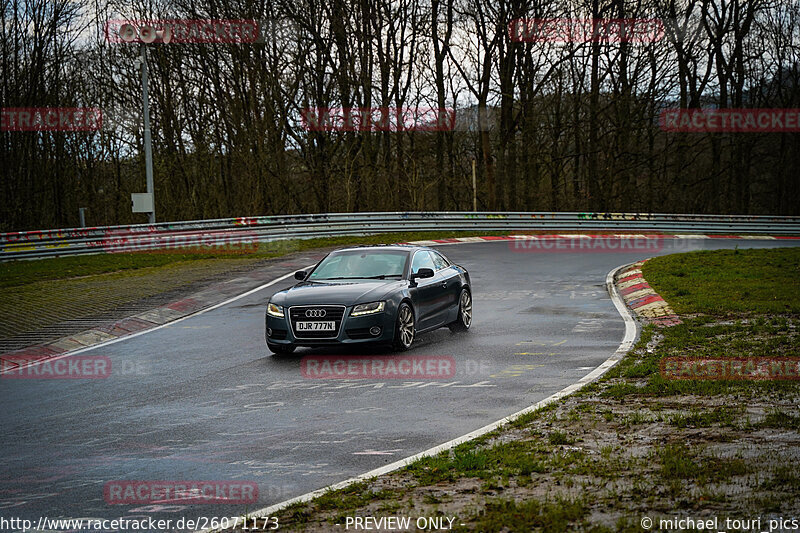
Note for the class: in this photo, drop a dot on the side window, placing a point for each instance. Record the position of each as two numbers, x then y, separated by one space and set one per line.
440 261
422 259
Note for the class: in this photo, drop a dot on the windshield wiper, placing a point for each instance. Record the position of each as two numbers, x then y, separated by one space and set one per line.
336 277
382 276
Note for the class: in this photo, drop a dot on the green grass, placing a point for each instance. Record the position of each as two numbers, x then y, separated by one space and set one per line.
723 416
36 305
722 282
705 337
783 478
352 497
513 516
508 459
17 273
557 438
678 461
781 420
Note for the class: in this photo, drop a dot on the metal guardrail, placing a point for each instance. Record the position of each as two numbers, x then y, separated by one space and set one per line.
73 241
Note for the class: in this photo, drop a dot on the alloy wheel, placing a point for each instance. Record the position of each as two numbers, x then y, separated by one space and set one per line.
406 326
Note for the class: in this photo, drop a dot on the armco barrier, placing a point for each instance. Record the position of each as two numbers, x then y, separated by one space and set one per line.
49 243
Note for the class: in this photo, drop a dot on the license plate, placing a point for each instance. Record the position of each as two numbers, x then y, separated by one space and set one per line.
316 326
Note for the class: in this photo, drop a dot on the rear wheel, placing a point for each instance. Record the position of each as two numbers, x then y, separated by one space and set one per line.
464 320
404 328
281 349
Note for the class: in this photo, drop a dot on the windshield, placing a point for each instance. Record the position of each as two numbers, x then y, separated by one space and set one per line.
360 264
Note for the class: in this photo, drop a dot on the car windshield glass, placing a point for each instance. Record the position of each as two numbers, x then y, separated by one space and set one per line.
359 264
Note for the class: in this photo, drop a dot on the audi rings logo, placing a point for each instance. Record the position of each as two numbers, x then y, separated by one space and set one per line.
315 313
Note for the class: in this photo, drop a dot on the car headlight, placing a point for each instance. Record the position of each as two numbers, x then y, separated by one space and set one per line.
368 309
274 310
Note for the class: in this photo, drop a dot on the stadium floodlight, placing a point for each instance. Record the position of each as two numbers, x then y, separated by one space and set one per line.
146 35
127 32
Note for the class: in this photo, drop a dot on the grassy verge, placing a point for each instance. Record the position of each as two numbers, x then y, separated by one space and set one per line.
728 281
633 444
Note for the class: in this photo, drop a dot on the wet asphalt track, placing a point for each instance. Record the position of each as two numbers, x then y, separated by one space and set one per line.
204 400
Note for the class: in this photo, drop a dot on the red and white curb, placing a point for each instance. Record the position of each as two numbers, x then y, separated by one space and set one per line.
607 236
640 296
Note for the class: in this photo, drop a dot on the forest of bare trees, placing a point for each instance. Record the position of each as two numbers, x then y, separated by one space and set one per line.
553 126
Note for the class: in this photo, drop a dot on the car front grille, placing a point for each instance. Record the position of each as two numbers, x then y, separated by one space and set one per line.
333 313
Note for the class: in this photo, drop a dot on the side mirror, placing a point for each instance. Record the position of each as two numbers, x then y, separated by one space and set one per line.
425 273
300 275
422 273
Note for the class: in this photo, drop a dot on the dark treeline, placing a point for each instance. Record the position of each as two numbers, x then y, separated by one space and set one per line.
553 126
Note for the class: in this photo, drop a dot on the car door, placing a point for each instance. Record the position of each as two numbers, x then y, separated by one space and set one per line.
427 290
450 282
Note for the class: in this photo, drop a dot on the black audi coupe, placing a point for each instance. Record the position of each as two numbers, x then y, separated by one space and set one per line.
370 294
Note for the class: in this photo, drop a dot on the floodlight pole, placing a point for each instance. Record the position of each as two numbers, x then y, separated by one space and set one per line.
474 189
148 148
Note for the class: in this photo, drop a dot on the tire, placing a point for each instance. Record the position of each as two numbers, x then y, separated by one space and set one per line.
464 320
281 349
404 328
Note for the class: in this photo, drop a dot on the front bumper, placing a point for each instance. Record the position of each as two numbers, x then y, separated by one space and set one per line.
353 330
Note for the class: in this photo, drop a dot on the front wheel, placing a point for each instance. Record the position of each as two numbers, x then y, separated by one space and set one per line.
280 349
404 328
464 320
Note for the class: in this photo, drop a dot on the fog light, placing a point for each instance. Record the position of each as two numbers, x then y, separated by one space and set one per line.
374 331
269 332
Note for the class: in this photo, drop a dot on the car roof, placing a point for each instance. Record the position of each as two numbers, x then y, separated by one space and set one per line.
376 247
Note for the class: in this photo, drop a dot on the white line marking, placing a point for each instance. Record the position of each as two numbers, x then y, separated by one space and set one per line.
628 339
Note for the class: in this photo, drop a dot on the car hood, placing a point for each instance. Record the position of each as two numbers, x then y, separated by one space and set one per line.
336 292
